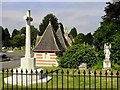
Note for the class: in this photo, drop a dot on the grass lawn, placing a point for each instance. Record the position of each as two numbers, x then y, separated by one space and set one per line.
0 80
75 81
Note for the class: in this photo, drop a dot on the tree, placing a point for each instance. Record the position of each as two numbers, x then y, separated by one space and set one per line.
109 31
1 31
73 32
45 21
105 34
7 34
23 30
79 39
112 11
34 33
115 50
88 39
6 37
18 41
22 34
77 54
109 27
15 32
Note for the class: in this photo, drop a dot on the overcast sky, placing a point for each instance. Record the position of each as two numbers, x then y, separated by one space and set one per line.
85 16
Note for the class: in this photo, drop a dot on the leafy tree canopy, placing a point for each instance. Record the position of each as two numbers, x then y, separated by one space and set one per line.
109 31
109 27
5 37
112 10
105 34
79 39
7 34
77 54
18 41
21 34
115 50
88 39
73 32
45 21
15 32
2 29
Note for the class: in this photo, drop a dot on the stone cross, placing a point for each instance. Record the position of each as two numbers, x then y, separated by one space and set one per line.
28 38
28 62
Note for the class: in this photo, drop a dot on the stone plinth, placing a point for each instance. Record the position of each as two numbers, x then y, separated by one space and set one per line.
106 64
27 63
83 66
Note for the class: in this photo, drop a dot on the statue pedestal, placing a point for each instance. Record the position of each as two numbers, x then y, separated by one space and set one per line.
27 63
106 64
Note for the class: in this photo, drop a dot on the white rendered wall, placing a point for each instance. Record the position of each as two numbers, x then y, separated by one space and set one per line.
41 60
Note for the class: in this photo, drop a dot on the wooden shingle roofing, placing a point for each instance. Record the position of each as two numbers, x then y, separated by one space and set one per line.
61 38
49 41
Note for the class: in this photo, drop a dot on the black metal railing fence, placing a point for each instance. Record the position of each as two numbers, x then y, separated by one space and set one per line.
60 79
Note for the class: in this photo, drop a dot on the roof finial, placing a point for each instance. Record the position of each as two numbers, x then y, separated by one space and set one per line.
59 26
66 30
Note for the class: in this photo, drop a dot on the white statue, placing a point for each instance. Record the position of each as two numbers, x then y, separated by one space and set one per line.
107 52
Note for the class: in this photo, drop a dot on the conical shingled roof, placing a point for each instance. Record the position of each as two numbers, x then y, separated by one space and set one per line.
48 41
37 39
61 38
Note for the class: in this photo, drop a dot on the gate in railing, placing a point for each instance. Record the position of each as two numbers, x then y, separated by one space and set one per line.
60 79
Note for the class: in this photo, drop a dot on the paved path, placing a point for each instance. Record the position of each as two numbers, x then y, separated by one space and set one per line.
15 55
15 60
9 64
